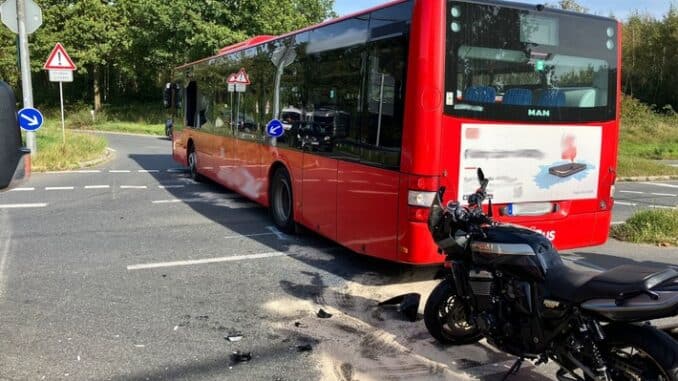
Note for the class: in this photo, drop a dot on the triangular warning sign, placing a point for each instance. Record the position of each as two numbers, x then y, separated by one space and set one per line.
242 77
59 59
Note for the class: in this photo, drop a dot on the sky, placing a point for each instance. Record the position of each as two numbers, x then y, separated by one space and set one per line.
619 8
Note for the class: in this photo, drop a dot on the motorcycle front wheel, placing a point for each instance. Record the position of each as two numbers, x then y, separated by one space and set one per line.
640 353
445 317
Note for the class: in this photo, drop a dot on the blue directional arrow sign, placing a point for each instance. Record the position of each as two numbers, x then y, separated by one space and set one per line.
30 119
275 128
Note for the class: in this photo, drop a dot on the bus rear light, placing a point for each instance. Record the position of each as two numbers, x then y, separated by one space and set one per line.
418 214
424 183
420 199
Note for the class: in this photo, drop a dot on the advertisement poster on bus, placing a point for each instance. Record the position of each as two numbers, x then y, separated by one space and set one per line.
531 163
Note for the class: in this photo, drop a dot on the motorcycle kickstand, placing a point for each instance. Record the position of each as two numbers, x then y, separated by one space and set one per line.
514 369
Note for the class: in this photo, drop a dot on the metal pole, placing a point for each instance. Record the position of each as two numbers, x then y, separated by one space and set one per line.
26 84
63 124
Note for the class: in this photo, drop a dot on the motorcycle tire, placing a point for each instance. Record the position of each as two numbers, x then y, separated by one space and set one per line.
656 353
442 315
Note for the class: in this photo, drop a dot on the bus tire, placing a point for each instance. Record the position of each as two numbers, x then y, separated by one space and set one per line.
282 201
192 159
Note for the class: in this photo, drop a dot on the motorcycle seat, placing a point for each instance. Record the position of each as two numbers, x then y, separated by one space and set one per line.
579 286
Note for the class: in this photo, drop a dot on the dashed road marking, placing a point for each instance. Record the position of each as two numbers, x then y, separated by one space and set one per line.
176 170
663 185
631 192
119 171
22 189
148 171
171 186
21 206
625 203
664 194
248 235
133 187
662 207
59 188
235 258
175 201
76 171
98 187
618 223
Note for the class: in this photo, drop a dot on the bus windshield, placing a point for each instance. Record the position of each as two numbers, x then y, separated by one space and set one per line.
520 64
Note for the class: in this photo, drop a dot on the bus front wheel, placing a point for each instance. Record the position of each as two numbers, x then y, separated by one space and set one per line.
193 164
281 200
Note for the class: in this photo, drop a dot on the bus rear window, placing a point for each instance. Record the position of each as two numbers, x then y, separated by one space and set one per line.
519 64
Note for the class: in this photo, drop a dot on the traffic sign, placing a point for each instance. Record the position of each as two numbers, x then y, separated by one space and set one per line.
33 15
275 128
59 59
30 119
240 77
61 75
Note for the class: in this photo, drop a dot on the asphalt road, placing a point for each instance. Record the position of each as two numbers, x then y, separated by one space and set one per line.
131 271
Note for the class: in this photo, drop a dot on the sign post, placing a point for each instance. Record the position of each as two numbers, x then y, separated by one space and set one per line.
23 17
61 69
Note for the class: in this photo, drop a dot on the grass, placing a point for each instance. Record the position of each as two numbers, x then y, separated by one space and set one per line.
54 156
659 227
126 127
646 136
147 119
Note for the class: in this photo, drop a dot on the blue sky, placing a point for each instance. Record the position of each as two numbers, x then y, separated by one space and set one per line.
620 8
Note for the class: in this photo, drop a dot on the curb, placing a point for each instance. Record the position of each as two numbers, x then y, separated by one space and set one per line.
647 178
108 155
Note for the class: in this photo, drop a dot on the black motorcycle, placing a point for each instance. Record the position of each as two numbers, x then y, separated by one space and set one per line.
509 285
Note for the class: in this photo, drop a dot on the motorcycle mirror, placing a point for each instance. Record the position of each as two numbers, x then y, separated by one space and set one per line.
482 180
13 163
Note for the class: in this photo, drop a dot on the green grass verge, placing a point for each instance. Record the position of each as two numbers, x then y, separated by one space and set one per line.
53 155
633 166
659 227
126 127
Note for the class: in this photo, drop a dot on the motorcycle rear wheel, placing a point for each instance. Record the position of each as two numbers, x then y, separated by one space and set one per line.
640 353
445 317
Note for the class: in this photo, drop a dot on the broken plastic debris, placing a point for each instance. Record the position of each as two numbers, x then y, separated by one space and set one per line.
408 305
176 327
304 348
238 356
233 338
323 314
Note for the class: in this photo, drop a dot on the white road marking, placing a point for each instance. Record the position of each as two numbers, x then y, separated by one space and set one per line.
21 206
148 266
97 187
175 201
664 194
624 203
76 171
247 235
281 236
176 170
663 185
111 149
618 223
5 245
632 192
59 188
119 171
148 171
22 189
133 187
171 186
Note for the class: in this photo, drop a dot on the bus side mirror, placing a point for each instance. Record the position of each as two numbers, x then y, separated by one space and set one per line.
13 156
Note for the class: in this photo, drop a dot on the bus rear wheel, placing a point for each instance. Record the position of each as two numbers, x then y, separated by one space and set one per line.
193 164
281 200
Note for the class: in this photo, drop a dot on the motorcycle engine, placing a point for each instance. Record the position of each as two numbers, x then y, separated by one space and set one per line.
506 312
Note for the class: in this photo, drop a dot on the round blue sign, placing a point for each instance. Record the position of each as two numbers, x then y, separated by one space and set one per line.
275 128
30 119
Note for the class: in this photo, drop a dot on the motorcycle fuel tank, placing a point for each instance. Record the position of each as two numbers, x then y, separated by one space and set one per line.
515 250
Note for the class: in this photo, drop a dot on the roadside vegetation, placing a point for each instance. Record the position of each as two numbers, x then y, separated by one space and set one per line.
53 155
647 135
659 227
145 119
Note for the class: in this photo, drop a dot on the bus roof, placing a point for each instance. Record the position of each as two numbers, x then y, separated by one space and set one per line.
258 40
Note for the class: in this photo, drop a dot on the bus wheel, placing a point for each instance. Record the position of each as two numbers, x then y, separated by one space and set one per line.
282 207
193 164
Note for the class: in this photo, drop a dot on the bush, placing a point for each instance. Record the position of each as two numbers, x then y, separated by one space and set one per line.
651 226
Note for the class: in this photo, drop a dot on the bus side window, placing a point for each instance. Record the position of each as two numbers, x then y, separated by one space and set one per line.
386 68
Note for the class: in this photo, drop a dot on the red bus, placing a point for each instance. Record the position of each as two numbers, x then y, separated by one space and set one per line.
380 108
